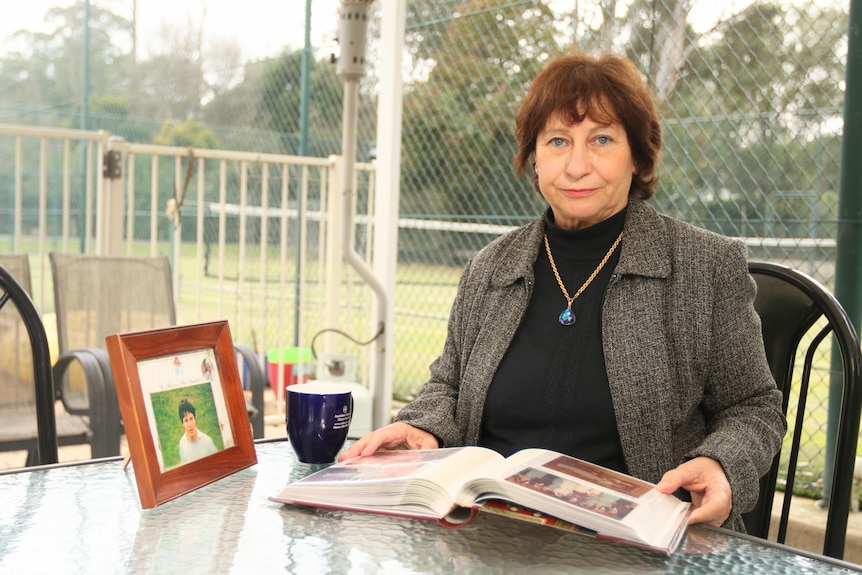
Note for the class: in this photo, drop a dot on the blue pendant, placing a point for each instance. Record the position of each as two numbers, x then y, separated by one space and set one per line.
567 317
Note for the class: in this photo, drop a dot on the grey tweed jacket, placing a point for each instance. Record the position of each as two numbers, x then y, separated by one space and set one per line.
686 366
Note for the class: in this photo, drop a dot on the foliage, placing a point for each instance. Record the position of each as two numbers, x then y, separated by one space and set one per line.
44 73
459 122
747 141
750 105
193 134
112 113
279 104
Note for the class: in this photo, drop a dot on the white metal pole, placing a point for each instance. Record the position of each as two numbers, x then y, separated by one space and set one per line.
352 29
388 189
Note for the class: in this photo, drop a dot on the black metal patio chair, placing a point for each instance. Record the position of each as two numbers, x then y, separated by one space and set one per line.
798 314
27 419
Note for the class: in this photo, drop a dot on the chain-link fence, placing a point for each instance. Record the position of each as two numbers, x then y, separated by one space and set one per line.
750 94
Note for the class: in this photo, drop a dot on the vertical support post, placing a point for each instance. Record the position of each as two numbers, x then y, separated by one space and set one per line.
848 263
352 31
109 203
334 251
304 121
305 95
85 98
85 74
388 190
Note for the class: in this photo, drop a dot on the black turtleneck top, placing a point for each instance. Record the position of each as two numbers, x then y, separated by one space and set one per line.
551 389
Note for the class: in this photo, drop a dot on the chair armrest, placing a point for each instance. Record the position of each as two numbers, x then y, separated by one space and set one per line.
99 403
256 383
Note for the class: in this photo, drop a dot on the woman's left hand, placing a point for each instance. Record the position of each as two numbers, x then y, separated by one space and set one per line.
710 492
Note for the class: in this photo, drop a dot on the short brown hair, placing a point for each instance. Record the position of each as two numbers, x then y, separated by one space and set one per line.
604 87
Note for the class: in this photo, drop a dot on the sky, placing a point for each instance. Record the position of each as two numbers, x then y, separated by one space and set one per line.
262 27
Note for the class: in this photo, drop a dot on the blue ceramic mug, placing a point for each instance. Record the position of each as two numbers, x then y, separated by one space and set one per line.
317 416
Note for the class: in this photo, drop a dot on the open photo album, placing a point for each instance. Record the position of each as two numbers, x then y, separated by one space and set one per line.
450 485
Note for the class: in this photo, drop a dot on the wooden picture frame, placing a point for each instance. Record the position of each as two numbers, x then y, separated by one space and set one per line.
181 382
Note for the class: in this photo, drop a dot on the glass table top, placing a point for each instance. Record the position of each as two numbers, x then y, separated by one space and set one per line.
87 519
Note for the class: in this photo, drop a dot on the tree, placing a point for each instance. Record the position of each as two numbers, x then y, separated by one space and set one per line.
182 75
459 122
667 36
44 75
270 99
654 33
113 114
192 134
753 112
171 81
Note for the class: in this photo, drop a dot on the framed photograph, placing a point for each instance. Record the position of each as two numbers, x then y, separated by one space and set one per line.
183 408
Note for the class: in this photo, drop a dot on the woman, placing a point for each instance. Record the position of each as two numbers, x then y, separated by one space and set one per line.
603 329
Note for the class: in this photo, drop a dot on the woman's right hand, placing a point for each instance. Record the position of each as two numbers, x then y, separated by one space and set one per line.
393 436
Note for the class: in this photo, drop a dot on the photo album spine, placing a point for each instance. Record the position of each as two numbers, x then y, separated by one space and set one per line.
458 517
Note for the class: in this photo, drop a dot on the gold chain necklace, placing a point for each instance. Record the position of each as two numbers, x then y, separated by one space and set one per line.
567 317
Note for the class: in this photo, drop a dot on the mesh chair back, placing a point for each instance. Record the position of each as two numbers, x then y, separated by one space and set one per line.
97 296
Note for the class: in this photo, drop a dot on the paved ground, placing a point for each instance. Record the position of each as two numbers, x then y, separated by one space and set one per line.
805 531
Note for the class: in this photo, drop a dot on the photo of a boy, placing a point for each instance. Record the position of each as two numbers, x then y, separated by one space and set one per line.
194 443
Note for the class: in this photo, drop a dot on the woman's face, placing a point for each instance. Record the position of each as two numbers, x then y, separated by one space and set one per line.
584 170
